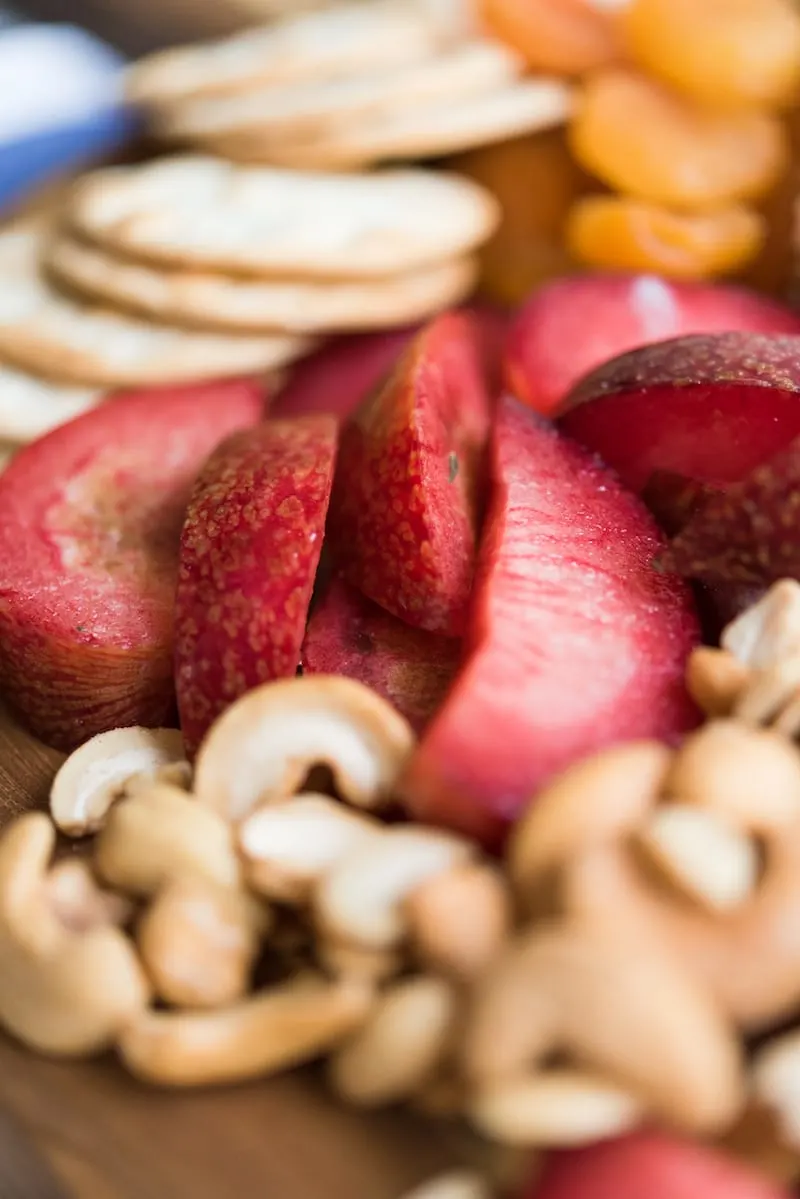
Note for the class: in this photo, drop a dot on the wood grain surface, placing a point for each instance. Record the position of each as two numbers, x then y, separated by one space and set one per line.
88 1131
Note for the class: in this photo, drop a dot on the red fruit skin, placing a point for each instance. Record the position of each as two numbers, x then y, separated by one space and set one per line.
576 641
349 635
90 520
338 377
573 325
650 1165
408 489
748 533
708 408
248 558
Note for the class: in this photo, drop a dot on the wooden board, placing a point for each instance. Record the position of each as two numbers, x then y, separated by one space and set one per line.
86 1130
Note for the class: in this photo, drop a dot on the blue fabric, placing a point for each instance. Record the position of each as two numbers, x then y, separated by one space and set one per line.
27 163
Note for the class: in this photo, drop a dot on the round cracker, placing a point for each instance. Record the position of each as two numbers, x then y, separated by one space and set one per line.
328 44
223 302
57 337
526 106
316 109
202 213
31 406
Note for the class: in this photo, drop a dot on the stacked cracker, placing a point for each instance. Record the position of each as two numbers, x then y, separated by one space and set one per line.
347 88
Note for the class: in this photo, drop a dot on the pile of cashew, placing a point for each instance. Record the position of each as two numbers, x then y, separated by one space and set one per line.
266 908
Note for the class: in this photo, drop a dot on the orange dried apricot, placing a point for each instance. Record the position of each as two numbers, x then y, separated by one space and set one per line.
723 53
639 137
535 179
616 233
564 36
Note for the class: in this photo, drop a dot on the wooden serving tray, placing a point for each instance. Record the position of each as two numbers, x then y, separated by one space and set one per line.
88 1131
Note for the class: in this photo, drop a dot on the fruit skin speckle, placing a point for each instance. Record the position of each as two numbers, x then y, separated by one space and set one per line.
249 553
349 635
90 520
403 523
575 640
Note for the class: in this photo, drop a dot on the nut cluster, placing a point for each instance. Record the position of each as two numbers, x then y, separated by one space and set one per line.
266 908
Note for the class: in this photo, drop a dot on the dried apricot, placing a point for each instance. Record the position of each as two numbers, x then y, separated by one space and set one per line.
724 53
536 180
613 232
641 138
565 36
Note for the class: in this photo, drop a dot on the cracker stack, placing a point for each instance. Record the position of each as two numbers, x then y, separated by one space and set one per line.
347 88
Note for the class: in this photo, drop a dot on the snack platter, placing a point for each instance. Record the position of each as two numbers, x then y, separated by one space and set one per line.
400 615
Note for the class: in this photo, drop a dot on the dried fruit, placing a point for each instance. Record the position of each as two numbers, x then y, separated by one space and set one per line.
249 553
574 325
535 179
615 232
564 36
576 641
407 494
644 140
348 634
723 53
90 520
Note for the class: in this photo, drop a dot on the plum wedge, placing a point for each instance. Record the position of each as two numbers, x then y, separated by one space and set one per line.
650 1165
406 503
90 520
575 642
573 325
248 559
709 409
350 635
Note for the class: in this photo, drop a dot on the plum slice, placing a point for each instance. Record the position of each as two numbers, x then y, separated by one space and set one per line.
573 325
90 520
576 640
708 408
405 506
350 635
650 1165
248 560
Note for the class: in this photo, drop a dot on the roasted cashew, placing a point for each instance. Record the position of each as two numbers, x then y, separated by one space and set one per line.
554 1107
750 956
163 834
199 941
93 777
287 847
269 1032
776 1085
79 902
344 960
715 679
458 921
617 1005
401 1044
360 900
63 990
174 774
767 632
264 746
702 853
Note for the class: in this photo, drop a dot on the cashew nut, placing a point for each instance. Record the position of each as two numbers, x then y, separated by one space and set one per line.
361 899
616 1003
344 960
264 746
270 1032
455 1184
399 1046
63 990
554 1108
287 847
92 778
162 834
704 855
78 901
715 679
768 632
770 693
174 774
598 799
776 1084
199 941
458 921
